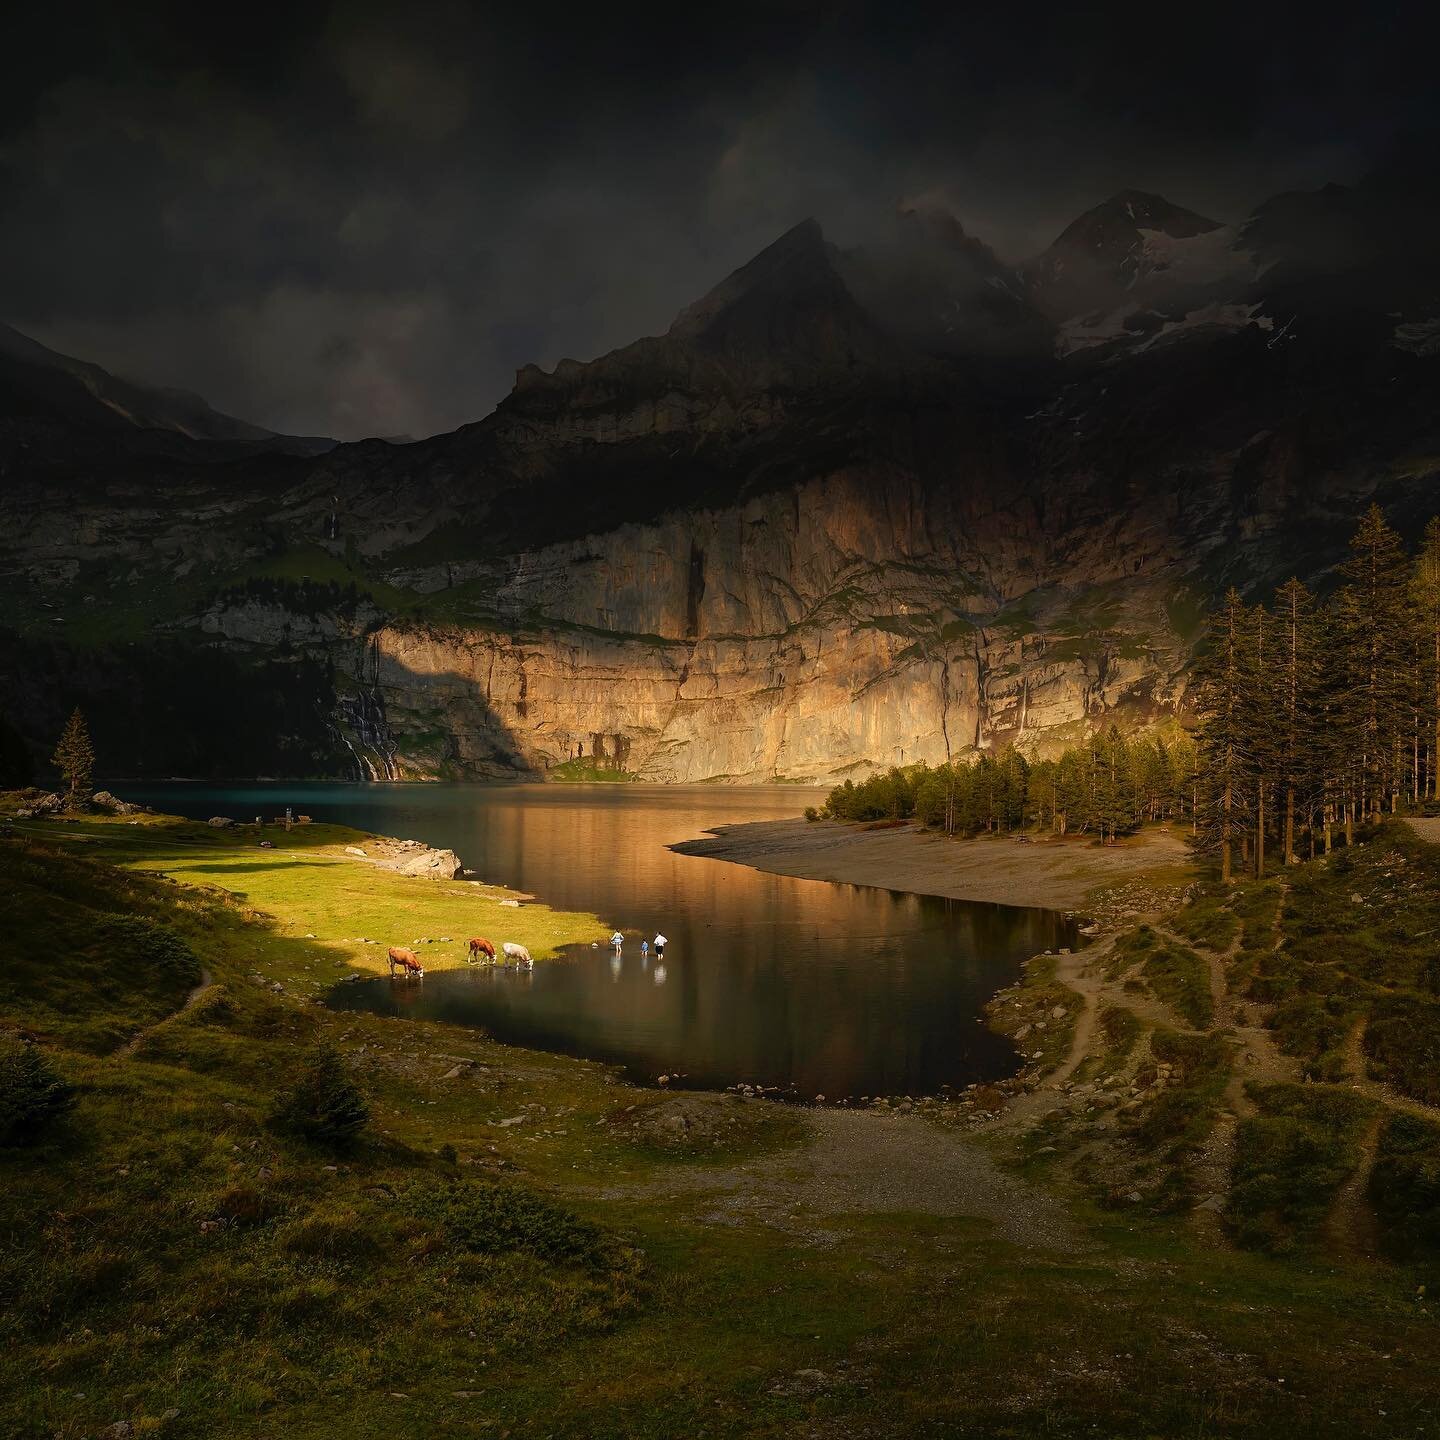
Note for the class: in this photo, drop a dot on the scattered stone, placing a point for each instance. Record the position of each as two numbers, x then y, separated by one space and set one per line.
349 849
1058 1013
50 804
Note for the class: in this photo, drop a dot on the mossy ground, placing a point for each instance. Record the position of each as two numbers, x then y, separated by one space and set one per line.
165 1251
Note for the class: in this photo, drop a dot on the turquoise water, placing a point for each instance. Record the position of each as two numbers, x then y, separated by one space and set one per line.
823 988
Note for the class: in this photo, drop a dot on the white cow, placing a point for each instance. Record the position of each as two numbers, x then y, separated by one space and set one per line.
518 953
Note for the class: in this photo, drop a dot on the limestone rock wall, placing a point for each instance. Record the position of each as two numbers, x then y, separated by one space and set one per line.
805 635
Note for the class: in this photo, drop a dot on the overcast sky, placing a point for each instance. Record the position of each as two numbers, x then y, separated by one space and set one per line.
358 220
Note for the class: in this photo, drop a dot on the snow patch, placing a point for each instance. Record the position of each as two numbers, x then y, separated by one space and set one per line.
1419 337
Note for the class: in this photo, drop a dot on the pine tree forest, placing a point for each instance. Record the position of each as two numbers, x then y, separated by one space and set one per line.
1311 718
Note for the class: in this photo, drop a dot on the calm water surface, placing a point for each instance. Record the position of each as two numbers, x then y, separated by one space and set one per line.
841 990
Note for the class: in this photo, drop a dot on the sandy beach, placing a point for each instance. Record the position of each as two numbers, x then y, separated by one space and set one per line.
1054 874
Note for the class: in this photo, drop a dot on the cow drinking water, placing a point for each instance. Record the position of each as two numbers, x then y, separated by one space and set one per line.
481 946
518 953
406 962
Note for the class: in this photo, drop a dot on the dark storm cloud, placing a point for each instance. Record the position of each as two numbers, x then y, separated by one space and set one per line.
361 220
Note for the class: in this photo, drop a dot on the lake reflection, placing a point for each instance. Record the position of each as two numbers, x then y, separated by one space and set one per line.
839 990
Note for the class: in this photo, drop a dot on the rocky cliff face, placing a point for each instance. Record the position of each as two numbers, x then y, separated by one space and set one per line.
812 529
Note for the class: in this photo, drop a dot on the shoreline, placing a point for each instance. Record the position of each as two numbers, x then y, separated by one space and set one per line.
1046 874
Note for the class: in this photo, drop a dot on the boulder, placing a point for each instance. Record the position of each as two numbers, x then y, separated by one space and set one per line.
104 800
437 864
219 821
51 804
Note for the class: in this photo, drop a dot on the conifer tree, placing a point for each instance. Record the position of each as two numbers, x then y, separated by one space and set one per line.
1225 758
1425 598
1295 687
1372 618
323 1104
74 757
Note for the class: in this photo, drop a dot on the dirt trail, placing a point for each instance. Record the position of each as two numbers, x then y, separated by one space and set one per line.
1080 973
1350 1225
191 1000
1376 1090
866 1163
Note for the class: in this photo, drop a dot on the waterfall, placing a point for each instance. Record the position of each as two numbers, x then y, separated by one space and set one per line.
361 722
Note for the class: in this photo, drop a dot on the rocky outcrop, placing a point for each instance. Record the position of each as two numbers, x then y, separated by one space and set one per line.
104 800
40 807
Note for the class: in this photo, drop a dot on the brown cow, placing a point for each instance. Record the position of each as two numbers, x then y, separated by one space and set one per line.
406 960
481 946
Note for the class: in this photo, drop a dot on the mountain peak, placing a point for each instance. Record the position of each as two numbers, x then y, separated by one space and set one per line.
1099 255
799 260
1119 220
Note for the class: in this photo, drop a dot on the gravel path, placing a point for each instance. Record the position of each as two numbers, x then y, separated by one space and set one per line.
867 1163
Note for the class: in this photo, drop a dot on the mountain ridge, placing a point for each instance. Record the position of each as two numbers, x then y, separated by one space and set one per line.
802 530
41 385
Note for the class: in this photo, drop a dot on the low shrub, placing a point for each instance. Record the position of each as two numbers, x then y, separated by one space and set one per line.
1402 1043
1313 1028
1180 978
1290 1160
32 1092
490 1218
1179 1118
146 942
1405 1189
1208 921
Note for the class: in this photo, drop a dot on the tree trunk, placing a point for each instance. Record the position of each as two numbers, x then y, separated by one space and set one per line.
1290 856
1225 837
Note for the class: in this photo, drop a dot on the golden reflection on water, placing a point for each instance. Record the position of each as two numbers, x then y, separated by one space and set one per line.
840 990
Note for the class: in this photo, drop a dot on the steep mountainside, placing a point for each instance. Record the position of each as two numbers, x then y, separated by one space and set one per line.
851 507
55 406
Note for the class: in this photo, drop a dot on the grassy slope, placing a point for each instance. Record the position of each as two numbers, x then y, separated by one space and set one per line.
164 1250
311 887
